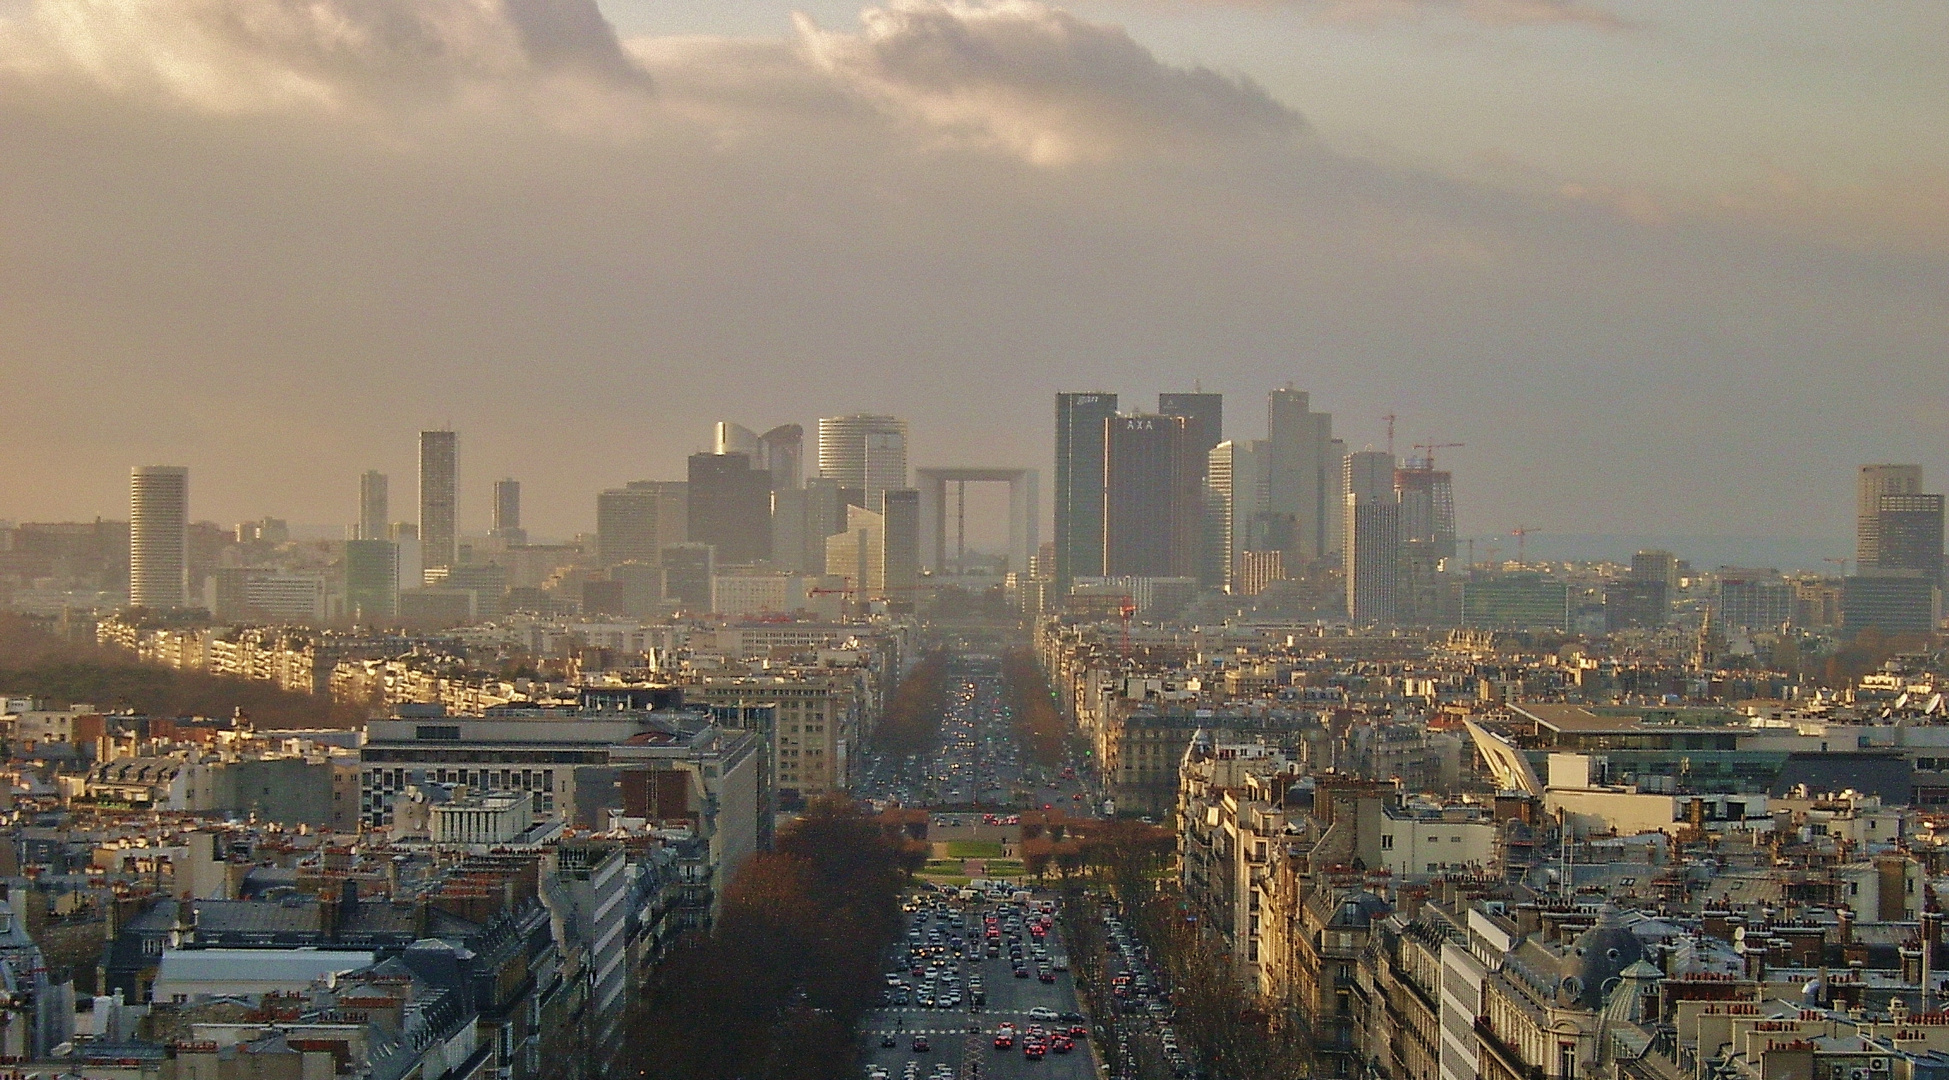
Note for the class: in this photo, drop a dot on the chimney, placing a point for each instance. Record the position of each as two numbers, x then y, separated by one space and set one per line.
1931 934
1846 915
1756 963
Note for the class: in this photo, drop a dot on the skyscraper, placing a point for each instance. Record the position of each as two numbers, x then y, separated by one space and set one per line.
1427 497
636 522
159 536
729 438
1302 478
730 506
372 580
1908 535
687 573
1235 505
373 506
900 545
1371 552
864 452
1870 485
507 512
439 498
1080 420
1204 428
1151 498
785 456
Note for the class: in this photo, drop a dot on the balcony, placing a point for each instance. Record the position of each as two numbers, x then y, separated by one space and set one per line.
1504 1054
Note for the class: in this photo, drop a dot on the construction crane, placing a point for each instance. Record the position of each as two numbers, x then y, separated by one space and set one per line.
1841 562
1126 607
1431 448
1390 433
1521 533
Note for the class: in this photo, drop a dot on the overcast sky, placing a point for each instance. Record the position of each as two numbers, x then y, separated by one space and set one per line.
1662 267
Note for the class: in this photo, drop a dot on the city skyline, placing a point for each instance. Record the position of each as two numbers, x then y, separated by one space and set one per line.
1165 208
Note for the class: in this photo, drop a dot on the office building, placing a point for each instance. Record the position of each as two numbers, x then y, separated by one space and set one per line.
1204 429
507 512
1151 499
1908 535
1891 602
1255 570
1871 483
864 452
1302 477
858 553
1658 566
729 438
824 514
687 573
1755 602
1372 550
785 456
900 546
1515 602
636 522
1235 505
371 580
1080 422
373 506
439 498
159 536
730 506
1632 604
1427 497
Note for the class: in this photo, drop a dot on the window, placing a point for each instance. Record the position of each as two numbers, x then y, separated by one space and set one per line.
1387 841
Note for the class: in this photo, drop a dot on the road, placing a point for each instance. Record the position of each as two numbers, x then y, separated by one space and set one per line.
979 763
1009 999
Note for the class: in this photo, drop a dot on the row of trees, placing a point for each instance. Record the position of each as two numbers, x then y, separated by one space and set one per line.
1038 723
912 722
777 990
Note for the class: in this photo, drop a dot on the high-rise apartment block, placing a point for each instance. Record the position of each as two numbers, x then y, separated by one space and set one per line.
159 536
1871 483
1080 422
1372 548
1303 477
636 522
864 453
507 512
730 506
439 498
373 506
1152 498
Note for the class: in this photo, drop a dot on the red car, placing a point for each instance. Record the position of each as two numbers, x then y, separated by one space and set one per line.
1078 1030
1004 1040
1061 1044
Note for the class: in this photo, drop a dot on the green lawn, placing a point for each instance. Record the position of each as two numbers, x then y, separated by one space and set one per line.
974 849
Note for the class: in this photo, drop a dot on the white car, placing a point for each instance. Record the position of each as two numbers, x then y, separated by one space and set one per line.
1042 1012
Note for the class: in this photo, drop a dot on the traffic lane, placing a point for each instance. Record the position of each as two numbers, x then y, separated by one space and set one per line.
1008 998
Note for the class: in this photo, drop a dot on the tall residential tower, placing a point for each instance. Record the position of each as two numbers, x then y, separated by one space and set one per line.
159 536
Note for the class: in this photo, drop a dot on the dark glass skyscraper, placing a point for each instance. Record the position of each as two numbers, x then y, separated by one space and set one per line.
1080 420
1152 498
439 498
730 507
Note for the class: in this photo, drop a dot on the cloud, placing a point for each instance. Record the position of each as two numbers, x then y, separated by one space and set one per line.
1486 12
1039 82
253 56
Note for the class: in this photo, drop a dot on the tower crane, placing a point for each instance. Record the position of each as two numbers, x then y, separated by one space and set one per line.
1390 434
1521 533
1432 447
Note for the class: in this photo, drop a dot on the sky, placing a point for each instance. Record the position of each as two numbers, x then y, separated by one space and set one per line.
1663 268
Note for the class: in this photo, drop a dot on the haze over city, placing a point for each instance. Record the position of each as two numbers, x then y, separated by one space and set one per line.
1681 285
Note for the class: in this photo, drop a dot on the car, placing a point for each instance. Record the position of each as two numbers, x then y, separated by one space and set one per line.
1042 1012
1045 975
1061 1044
887 1041
919 1045
1071 1017
876 1072
1079 1031
1004 1040
1033 1051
